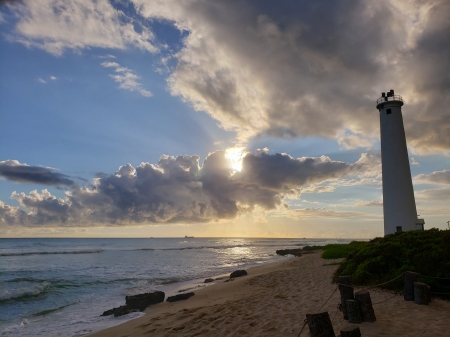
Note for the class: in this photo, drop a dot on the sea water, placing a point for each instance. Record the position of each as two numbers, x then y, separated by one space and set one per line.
60 287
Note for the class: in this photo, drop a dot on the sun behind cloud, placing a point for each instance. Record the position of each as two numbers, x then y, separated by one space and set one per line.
235 155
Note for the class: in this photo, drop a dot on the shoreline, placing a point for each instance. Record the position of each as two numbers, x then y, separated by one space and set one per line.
272 300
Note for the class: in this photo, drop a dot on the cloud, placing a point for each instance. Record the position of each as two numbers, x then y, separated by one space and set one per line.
373 203
286 71
109 56
58 25
322 213
437 177
13 170
53 78
292 71
438 194
41 80
126 78
179 190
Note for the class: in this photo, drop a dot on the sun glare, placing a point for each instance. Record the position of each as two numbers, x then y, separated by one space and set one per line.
235 156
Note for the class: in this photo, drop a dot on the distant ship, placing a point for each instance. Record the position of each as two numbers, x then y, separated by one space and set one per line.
188 237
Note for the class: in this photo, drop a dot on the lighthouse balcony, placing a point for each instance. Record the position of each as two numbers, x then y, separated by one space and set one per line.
388 98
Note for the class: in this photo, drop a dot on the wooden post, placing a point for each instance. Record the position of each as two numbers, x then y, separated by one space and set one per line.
408 290
367 313
346 294
351 331
345 279
320 325
422 293
354 312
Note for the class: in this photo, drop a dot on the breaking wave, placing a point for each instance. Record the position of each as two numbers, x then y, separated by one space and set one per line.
24 292
52 252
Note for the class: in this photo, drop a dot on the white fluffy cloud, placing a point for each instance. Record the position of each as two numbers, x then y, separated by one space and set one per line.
179 190
126 78
57 25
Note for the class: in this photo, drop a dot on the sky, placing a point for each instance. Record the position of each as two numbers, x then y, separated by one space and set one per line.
224 118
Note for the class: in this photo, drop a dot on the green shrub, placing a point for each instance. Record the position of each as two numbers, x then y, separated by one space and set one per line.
380 260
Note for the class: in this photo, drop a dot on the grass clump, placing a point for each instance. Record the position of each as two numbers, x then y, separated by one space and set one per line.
337 251
382 259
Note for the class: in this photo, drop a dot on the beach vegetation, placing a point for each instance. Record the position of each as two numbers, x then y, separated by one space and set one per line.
338 251
382 259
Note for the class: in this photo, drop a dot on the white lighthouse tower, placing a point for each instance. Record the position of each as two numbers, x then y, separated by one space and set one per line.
399 205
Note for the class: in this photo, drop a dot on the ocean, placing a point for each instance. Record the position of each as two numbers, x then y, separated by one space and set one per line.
60 287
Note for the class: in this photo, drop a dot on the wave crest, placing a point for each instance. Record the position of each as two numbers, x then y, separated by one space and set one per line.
24 292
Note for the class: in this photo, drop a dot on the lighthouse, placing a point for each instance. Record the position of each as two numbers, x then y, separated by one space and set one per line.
399 205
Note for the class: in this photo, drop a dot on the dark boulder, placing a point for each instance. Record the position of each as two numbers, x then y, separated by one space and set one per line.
142 301
295 252
179 297
119 311
136 303
209 280
238 273
108 312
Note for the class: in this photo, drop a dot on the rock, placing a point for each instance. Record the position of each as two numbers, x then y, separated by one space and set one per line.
119 311
209 280
108 312
295 252
142 301
238 273
179 297
122 310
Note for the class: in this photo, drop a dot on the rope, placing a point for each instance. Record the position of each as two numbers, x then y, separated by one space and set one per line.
338 308
436 278
319 309
373 286
302 328
387 299
328 299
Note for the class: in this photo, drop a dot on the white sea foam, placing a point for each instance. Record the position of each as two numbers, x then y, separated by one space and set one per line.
24 292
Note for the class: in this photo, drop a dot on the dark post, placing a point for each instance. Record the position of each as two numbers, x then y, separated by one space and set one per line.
408 290
367 313
351 331
354 312
422 293
320 325
345 283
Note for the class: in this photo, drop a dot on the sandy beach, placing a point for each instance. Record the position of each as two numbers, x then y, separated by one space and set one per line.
273 299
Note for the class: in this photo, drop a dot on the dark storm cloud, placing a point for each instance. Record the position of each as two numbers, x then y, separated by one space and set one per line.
14 171
314 68
179 190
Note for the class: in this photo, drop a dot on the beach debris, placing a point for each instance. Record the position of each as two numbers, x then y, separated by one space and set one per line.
351 331
354 311
367 312
136 303
408 290
295 252
208 280
422 294
179 297
320 325
238 273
